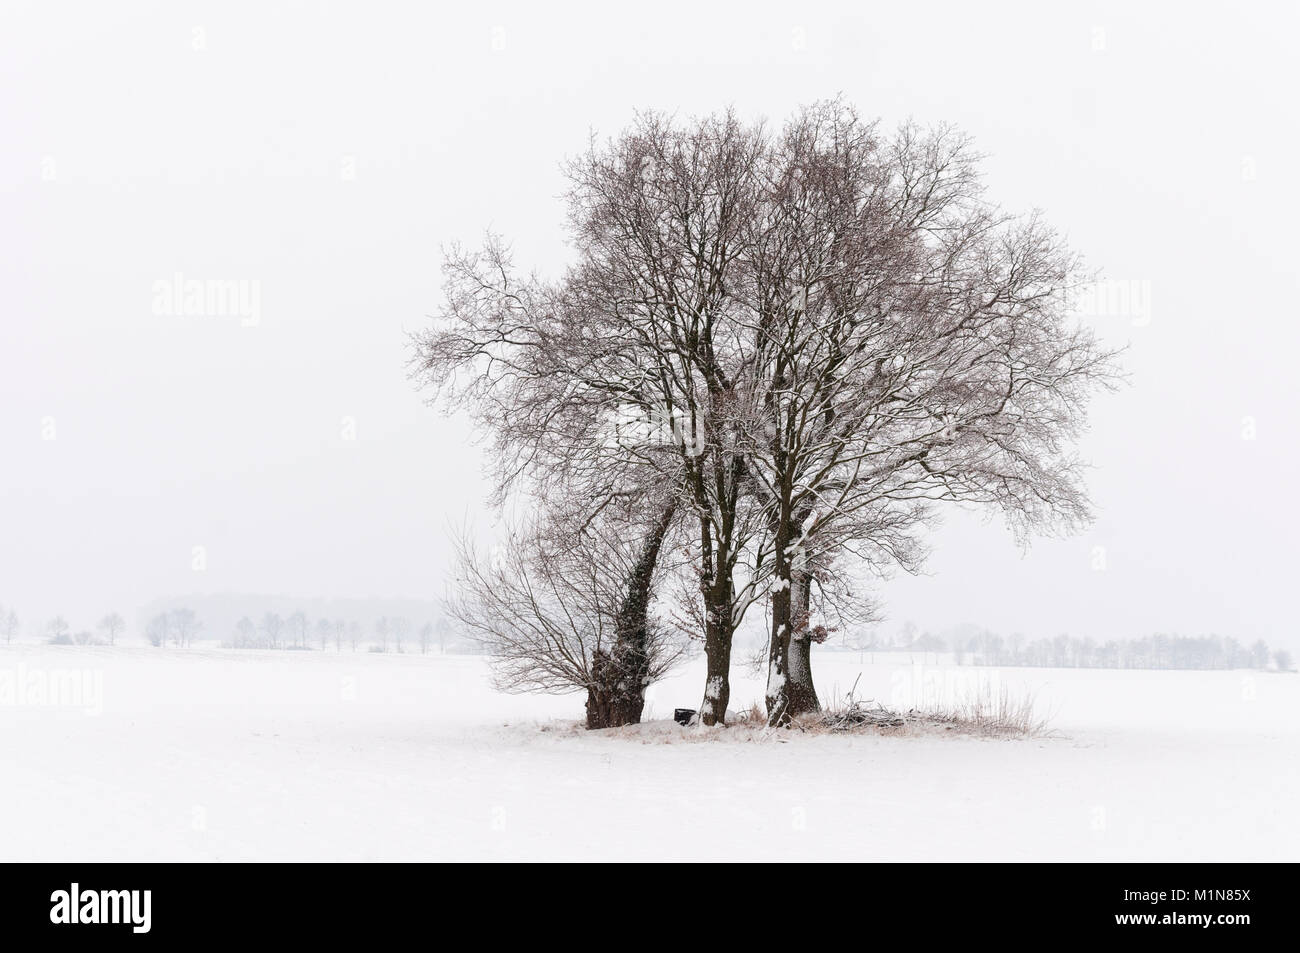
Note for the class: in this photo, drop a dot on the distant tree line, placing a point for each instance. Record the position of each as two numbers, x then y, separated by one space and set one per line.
178 628
389 633
58 631
1065 651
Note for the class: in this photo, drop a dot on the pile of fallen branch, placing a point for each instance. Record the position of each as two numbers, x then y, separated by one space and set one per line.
857 715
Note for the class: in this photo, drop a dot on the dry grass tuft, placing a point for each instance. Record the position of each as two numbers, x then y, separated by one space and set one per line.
755 715
993 713
987 713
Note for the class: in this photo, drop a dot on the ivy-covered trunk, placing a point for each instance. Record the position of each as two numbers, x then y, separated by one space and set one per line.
616 695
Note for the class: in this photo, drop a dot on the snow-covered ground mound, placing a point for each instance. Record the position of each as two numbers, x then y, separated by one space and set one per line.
204 754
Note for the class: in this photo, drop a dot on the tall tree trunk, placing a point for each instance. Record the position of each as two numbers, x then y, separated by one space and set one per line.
802 694
617 695
777 695
717 563
790 690
600 692
718 632
717 650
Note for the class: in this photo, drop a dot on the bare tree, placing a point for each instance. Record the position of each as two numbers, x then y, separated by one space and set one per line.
158 630
272 625
354 634
834 332
636 331
382 629
111 625
339 626
911 344
9 625
399 626
245 633
323 630
1259 654
297 625
426 637
184 626
58 631
443 628
551 608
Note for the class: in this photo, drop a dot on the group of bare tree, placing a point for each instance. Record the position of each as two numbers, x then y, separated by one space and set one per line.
775 353
274 631
58 631
393 632
177 628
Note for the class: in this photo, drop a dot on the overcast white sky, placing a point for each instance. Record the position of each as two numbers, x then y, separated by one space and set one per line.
324 151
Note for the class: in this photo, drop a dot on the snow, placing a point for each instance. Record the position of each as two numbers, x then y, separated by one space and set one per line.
713 688
204 754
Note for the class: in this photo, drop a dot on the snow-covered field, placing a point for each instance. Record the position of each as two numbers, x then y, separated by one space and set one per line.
204 754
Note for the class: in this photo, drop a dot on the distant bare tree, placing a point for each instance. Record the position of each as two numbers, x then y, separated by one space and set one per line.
426 637
1259 654
57 630
111 625
382 629
9 625
184 626
354 634
323 630
444 627
158 630
297 625
272 625
400 626
245 633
